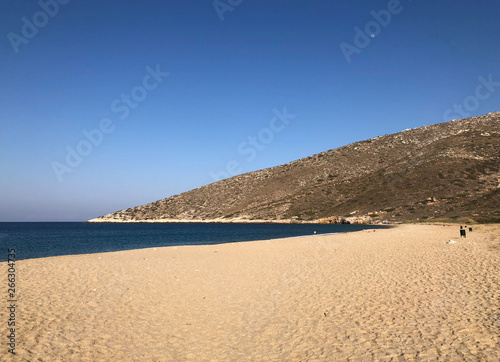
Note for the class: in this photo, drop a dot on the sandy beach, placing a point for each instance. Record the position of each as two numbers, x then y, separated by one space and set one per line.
403 293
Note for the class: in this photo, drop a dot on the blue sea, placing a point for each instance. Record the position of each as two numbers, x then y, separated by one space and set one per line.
44 239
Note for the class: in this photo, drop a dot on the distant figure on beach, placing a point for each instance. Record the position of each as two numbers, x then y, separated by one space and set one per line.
462 233
470 230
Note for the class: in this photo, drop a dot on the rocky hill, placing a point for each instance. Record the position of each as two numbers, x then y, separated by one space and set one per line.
444 171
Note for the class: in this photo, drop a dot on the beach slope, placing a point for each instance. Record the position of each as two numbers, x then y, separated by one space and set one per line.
404 292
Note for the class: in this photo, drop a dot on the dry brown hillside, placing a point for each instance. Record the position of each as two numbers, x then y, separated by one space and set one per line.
446 170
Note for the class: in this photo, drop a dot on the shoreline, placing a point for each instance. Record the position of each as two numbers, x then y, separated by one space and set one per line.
401 292
178 235
200 221
227 221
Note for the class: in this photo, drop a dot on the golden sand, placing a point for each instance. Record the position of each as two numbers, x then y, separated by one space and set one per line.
397 294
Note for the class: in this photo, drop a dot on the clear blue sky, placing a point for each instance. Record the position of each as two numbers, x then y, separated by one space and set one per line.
71 66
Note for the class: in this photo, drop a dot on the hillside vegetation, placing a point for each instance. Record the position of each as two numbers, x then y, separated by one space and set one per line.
444 171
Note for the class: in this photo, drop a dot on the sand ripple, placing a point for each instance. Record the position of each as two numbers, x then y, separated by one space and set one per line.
397 294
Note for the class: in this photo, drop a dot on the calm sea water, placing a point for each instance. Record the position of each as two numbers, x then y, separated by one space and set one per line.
38 240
